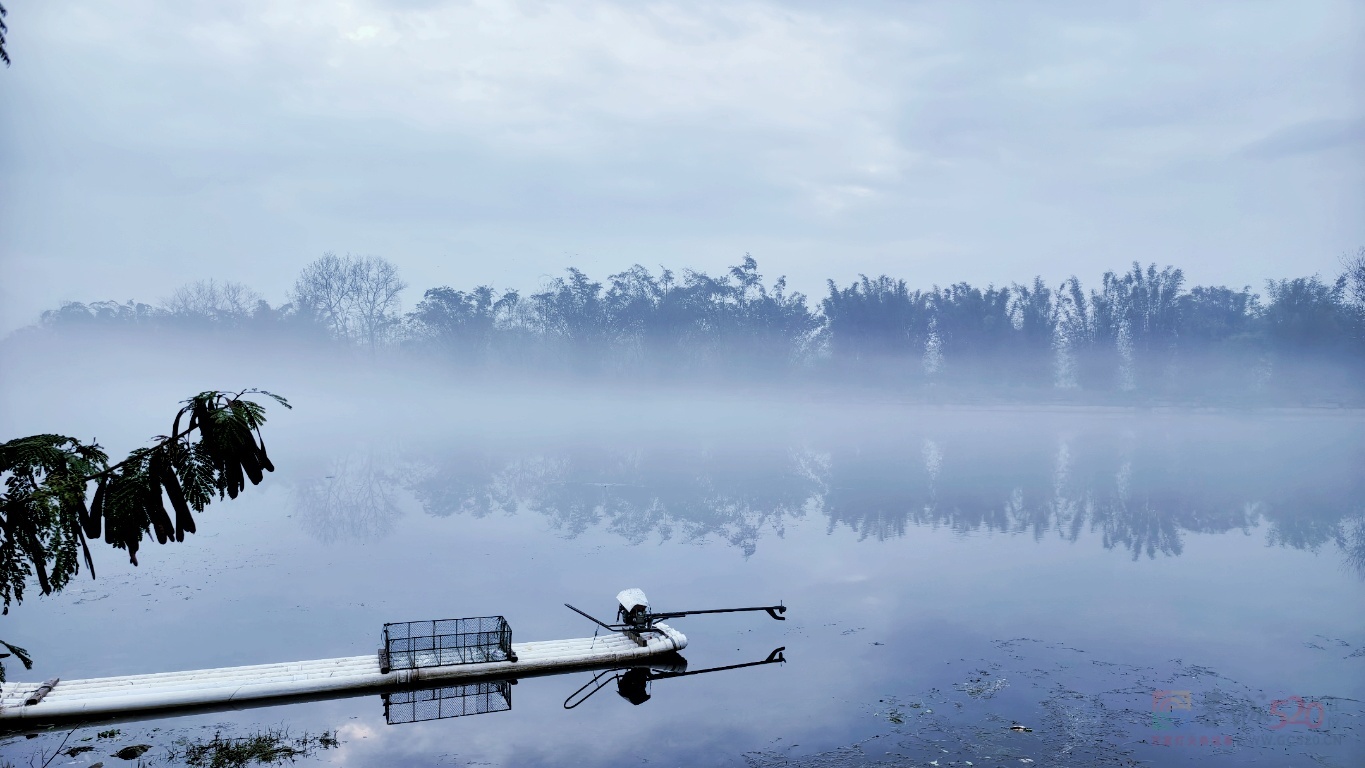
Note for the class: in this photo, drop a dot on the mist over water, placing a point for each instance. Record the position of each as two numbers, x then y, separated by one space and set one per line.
952 570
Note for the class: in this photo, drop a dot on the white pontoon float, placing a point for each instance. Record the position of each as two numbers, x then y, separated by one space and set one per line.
444 651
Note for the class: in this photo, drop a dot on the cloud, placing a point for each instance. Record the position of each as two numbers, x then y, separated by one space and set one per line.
1308 137
152 143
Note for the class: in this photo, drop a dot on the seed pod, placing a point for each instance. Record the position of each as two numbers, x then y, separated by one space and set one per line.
184 521
106 507
92 518
266 464
78 533
249 463
208 435
234 479
30 533
89 561
157 512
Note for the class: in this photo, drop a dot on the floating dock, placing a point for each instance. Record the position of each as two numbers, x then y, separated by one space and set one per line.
98 698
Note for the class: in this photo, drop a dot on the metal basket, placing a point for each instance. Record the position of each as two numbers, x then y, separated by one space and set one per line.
442 642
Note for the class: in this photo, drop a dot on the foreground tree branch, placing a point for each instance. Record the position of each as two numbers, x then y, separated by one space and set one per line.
46 526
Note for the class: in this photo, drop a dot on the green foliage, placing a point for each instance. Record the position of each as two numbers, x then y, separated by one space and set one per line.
41 510
46 525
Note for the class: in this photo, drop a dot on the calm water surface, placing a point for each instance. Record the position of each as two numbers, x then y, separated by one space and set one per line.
950 573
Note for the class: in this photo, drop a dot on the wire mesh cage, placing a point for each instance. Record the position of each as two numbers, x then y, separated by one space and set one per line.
447 701
441 642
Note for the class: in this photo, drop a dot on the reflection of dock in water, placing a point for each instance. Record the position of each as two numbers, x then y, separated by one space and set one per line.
632 684
409 704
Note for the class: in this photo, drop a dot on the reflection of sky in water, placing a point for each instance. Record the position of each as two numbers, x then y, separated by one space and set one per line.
949 575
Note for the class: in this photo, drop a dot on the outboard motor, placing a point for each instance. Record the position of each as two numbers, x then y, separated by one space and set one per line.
634 608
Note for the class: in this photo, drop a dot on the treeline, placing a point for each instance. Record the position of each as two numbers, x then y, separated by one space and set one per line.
1139 333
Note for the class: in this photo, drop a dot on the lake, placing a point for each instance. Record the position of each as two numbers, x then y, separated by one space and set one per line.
978 586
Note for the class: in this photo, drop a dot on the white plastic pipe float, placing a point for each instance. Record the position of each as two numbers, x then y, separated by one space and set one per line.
107 696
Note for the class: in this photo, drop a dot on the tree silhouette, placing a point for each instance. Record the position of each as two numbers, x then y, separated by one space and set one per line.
974 326
1140 335
4 54
873 321
461 325
1035 313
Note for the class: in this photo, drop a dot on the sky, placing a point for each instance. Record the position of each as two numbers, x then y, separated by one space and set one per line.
145 144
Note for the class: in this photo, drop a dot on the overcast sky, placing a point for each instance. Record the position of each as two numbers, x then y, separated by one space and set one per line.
145 144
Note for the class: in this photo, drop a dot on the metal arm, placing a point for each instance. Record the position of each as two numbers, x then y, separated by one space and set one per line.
598 622
647 620
773 611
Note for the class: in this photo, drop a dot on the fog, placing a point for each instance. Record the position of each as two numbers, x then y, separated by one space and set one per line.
1019 351
952 565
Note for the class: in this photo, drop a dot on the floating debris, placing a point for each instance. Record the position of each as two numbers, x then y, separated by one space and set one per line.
133 752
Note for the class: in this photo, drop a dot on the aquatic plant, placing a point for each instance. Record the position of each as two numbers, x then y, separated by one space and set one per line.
271 747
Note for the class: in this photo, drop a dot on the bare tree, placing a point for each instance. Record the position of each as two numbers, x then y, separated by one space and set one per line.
322 291
209 298
1355 276
355 297
375 286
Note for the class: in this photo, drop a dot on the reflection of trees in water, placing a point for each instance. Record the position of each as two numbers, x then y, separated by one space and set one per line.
1140 491
354 497
953 480
1137 492
1353 541
466 481
688 491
